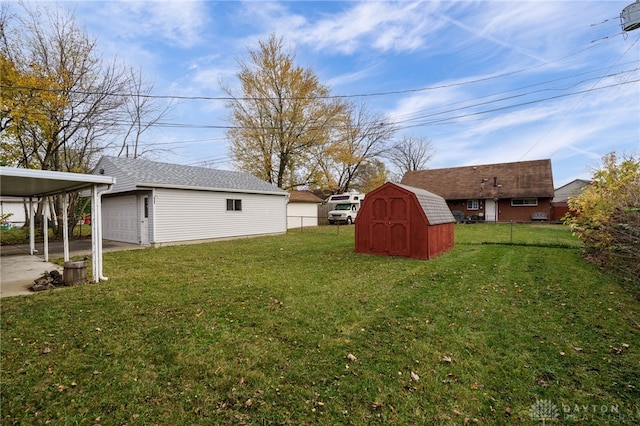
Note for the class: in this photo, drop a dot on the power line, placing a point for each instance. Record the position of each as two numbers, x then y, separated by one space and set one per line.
576 104
398 123
518 105
516 96
357 95
413 117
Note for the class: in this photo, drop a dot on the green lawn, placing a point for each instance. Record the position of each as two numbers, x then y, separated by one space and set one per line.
21 235
511 326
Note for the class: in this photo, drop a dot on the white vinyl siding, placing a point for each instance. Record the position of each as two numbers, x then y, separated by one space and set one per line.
302 214
123 182
120 219
187 215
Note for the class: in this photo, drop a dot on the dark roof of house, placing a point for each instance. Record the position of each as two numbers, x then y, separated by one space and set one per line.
304 197
148 173
504 180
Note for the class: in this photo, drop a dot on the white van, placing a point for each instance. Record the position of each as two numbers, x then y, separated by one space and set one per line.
345 207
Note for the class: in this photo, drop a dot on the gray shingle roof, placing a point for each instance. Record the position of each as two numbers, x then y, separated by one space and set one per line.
434 206
153 173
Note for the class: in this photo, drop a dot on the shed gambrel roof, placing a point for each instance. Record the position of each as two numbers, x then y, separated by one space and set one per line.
521 179
139 173
434 206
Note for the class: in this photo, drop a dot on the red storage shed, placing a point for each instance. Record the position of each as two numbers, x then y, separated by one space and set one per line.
400 220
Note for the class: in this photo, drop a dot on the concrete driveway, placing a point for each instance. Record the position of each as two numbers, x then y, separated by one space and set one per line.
18 269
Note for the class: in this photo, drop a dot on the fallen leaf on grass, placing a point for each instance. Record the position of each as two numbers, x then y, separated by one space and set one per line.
46 350
447 359
351 357
452 379
577 349
414 376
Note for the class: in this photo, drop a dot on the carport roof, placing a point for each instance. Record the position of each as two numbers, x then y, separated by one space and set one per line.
18 182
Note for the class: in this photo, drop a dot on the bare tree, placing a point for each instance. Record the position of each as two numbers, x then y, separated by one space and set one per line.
410 154
72 95
363 138
142 112
371 174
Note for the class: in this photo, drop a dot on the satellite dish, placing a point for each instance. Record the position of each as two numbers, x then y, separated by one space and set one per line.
630 17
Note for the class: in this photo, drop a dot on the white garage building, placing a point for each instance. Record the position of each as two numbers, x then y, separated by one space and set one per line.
156 204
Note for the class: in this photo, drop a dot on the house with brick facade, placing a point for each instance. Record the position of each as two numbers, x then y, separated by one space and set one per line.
560 202
503 192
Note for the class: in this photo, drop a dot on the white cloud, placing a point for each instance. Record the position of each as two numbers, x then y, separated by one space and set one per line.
176 23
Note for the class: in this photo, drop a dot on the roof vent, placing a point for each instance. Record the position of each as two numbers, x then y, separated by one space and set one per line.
630 17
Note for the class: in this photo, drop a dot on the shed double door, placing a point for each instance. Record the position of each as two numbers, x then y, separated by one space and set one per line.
390 226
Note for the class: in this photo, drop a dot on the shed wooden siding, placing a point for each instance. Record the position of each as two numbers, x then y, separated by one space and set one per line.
392 221
120 219
181 215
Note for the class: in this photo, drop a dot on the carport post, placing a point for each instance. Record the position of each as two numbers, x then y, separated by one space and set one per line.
45 227
96 233
32 228
65 226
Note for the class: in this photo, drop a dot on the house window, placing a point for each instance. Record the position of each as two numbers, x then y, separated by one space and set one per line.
234 205
519 202
472 204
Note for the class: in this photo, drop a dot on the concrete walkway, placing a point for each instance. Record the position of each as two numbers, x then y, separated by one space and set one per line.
18 269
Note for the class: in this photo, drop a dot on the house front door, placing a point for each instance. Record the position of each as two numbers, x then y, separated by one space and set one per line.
144 221
490 211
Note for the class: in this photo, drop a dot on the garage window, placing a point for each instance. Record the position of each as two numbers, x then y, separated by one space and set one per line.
234 205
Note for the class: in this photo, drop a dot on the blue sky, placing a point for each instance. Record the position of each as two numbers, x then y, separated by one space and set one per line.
484 81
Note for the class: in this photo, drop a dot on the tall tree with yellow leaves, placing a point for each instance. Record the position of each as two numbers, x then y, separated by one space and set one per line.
283 118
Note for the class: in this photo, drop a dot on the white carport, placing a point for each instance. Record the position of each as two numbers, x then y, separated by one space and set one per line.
39 184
